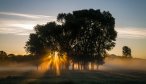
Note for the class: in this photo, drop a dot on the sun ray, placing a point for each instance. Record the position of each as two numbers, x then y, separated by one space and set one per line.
53 61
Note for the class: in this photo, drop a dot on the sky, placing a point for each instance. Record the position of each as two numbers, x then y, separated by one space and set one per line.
18 17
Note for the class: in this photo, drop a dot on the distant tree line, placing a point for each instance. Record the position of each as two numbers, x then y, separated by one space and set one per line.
4 57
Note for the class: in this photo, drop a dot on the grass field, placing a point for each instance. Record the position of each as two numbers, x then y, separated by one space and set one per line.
112 72
76 77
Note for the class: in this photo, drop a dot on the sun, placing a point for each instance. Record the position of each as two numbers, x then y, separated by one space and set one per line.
54 61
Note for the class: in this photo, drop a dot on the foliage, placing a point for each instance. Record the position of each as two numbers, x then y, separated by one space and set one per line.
46 37
83 34
3 55
126 52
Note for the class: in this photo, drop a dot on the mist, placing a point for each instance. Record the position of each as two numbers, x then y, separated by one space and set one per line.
119 64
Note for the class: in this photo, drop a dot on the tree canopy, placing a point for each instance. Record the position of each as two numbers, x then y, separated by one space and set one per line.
127 52
82 34
3 55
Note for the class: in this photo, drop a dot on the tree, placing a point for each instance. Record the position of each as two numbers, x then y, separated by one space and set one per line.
127 52
91 32
3 55
47 38
83 35
11 55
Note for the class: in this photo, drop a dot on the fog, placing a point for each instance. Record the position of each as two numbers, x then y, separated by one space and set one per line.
118 63
111 64
17 67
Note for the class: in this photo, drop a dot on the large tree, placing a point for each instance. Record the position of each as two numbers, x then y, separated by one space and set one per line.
82 34
91 32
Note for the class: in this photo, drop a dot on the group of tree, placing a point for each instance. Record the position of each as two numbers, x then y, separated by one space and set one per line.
82 34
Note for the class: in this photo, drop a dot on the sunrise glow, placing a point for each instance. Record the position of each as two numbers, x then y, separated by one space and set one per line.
53 61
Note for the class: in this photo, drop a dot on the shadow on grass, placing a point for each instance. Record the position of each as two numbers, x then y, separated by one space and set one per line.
75 77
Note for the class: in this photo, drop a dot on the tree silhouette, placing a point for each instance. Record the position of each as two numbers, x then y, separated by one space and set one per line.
3 55
47 38
11 55
126 52
83 35
91 32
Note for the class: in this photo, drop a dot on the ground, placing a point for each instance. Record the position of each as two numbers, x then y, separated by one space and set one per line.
75 77
114 71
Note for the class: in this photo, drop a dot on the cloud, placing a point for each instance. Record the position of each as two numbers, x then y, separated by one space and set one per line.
130 32
17 27
15 30
25 15
24 26
21 26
